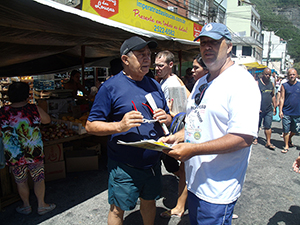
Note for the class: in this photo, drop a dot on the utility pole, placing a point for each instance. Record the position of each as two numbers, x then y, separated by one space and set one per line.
269 49
211 11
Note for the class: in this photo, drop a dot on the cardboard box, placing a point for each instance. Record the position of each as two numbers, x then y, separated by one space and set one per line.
54 153
87 145
82 160
55 171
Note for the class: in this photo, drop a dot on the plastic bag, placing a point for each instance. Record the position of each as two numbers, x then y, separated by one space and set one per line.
2 158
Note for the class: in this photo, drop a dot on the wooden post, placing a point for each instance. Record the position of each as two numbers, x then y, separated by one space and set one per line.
180 62
82 64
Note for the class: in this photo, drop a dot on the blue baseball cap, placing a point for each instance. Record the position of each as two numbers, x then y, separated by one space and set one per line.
215 31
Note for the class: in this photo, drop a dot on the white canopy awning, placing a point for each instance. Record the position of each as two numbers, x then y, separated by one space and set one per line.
42 36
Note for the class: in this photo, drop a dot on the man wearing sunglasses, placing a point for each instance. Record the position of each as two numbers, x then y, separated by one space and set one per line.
221 121
122 112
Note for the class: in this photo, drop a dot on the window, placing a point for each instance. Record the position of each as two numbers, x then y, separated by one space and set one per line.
233 51
173 9
196 6
246 50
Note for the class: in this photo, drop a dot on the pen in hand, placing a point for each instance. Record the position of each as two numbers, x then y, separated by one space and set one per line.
134 107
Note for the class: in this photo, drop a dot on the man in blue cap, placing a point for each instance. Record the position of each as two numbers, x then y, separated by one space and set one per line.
118 111
221 121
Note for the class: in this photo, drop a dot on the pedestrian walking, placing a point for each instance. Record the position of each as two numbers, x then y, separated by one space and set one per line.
267 106
289 108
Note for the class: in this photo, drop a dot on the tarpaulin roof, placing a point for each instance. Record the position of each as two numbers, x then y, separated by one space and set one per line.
254 65
42 36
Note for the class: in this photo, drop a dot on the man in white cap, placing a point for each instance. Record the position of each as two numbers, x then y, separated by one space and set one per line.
221 121
118 111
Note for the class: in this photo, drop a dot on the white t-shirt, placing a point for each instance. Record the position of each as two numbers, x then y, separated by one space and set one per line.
230 104
172 81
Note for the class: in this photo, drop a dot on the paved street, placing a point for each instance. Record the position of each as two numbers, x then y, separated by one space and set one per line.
271 194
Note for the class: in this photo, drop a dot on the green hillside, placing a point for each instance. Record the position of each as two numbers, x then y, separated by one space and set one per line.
285 29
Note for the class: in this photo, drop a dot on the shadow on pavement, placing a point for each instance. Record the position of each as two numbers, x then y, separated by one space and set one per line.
66 193
288 218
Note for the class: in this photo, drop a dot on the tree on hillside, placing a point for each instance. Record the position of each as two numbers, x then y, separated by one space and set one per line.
280 24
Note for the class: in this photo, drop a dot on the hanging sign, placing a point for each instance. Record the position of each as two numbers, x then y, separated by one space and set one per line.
144 15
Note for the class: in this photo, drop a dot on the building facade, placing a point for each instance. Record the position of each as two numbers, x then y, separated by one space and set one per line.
275 52
201 11
243 21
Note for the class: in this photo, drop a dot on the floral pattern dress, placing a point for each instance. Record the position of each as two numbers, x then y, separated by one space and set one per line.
21 134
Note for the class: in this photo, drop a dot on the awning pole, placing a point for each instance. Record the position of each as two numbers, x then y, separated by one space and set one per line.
180 62
82 64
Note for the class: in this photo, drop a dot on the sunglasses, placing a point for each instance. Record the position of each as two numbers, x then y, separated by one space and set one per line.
199 96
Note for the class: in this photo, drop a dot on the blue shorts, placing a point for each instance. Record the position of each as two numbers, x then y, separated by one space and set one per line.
205 213
126 184
267 117
291 123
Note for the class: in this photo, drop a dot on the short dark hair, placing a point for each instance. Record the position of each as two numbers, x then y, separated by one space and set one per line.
200 61
18 92
73 73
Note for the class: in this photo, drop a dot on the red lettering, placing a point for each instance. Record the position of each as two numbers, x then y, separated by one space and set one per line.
136 12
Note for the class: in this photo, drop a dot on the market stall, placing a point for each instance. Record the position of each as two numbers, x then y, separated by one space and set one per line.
45 37
254 68
42 36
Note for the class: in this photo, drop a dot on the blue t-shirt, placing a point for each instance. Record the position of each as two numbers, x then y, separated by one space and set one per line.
113 100
291 106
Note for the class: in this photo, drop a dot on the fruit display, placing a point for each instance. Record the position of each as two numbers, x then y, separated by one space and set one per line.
56 131
81 119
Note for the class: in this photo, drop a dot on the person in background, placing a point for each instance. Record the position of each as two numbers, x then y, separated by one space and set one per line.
23 145
75 85
199 68
188 79
221 121
164 62
115 66
118 111
289 108
273 78
296 165
267 107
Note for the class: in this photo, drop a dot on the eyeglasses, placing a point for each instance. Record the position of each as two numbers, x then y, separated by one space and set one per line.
159 65
145 120
199 96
